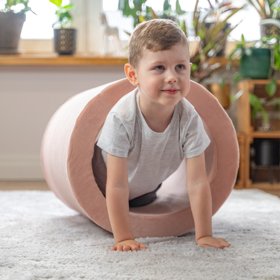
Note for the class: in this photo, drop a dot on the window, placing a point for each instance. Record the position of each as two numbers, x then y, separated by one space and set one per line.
247 18
37 32
39 25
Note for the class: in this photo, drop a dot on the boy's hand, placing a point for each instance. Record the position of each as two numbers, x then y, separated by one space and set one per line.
210 241
128 245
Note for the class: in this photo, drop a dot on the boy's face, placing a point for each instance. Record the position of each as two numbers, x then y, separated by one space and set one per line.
163 77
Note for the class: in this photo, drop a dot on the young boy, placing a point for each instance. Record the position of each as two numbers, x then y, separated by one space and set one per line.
151 130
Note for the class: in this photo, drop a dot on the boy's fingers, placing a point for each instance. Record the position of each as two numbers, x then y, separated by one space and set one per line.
117 248
215 243
223 242
142 246
128 247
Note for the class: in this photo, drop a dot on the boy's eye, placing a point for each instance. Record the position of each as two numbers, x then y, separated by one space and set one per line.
181 67
159 68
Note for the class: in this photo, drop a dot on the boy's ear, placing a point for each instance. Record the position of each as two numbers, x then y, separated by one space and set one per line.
130 73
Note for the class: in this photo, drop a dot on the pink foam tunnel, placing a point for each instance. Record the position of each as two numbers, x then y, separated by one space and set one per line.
68 147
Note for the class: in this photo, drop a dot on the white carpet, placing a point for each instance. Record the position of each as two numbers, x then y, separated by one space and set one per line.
40 238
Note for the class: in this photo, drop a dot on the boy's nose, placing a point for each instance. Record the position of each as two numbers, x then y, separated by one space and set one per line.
171 77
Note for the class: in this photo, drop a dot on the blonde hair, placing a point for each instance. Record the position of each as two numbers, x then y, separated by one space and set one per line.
155 35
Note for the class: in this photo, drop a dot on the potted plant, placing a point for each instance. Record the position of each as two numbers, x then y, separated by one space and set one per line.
255 59
139 11
65 36
212 27
12 18
269 13
261 62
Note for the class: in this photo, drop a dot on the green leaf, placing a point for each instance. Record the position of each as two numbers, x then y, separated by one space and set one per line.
179 10
243 41
166 6
276 55
271 87
11 3
256 105
125 7
237 78
183 26
58 3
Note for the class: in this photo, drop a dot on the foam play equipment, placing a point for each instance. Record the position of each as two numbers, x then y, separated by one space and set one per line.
68 148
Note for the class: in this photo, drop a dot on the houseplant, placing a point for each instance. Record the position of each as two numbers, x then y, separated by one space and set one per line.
211 26
266 65
139 11
269 12
12 18
65 35
255 59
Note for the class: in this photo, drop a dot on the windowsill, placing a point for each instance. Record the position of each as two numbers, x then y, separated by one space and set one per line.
55 60
71 60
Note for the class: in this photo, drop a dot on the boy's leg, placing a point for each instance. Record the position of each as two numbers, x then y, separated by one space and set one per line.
144 199
99 169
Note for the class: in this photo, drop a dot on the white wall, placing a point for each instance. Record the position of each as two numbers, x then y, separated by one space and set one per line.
28 98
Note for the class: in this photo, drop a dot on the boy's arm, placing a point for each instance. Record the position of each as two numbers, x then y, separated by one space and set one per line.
201 203
117 195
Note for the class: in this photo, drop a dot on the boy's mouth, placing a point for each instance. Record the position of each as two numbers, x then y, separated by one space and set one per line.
171 90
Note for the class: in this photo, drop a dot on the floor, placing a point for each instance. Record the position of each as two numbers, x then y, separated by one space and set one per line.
23 185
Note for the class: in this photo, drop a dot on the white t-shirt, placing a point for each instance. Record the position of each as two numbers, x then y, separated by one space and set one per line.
152 156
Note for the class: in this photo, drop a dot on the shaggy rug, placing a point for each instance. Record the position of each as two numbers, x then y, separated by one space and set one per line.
40 238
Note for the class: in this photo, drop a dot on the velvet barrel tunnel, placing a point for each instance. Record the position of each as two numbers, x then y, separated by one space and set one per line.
68 147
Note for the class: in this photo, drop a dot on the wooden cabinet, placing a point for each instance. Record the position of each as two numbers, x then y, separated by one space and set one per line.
247 136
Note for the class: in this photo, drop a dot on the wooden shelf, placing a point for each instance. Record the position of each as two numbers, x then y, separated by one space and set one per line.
252 83
55 60
271 188
244 128
77 59
266 134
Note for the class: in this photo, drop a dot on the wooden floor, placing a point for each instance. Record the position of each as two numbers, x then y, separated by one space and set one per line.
23 185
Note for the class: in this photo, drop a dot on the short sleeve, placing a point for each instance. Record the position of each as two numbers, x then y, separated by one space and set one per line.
114 138
196 139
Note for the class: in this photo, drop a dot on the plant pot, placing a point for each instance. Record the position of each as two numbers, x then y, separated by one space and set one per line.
65 41
270 27
255 63
267 152
10 30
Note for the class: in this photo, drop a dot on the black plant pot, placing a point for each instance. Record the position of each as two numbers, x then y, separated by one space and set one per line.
267 152
65 41
10 30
